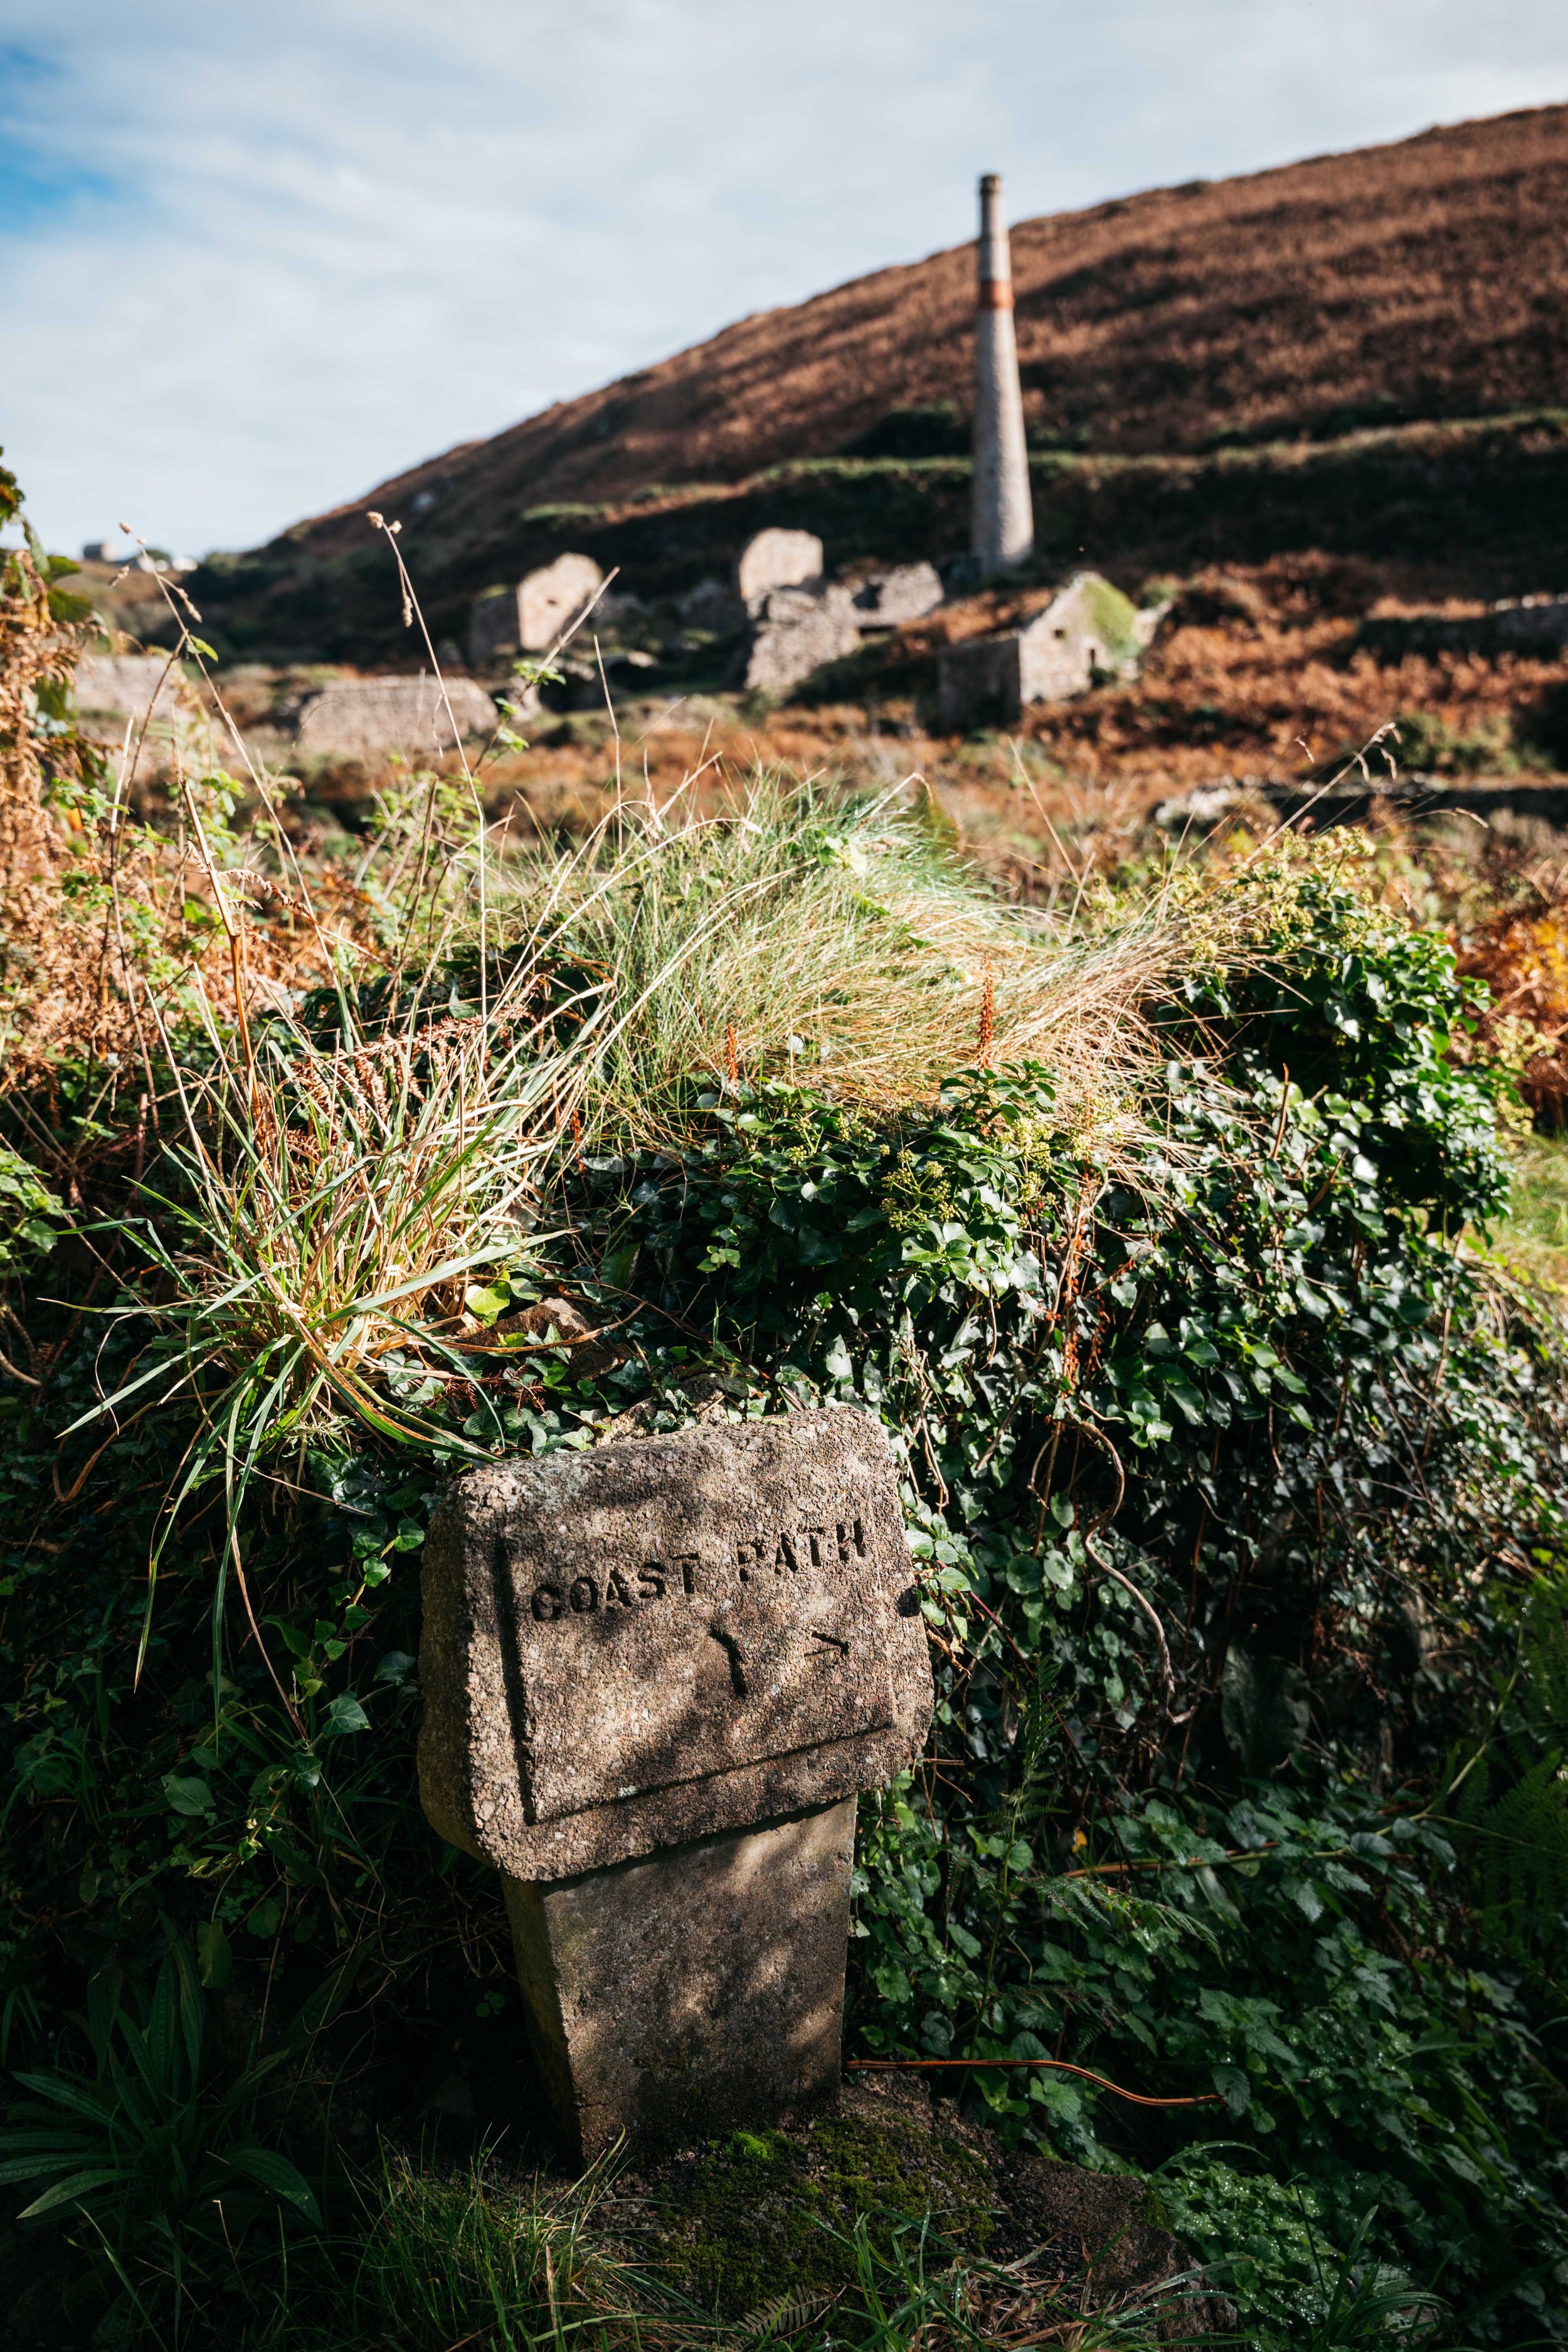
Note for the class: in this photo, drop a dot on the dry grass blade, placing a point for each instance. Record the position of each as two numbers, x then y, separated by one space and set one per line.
796 935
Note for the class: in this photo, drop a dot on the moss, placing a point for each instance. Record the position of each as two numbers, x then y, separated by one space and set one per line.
1111 618
764 2214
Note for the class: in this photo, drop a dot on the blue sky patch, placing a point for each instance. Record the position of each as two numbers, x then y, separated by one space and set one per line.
37 186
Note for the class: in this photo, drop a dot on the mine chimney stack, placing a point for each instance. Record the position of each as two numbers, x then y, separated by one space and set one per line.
1004 516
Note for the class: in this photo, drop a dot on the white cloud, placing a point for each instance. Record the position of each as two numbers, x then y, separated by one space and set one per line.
336 236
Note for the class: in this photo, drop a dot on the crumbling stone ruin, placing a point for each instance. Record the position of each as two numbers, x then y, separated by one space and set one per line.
800 623
892 599
713 605
1089 630
551 601
374 715
137 687
532 617
795 633
493 627
777 559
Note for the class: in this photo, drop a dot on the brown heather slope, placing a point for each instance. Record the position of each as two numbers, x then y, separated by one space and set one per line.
1428 279
1199 363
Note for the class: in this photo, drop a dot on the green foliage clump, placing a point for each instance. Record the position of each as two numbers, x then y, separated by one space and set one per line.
160 2147
1200 1469
1232 1479
32 1217
1508 1796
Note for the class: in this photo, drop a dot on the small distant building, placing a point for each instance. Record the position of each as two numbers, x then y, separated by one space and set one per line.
532 617
777 559
1089 630
796 631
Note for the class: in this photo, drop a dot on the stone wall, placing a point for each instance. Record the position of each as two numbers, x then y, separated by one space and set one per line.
128 686
375 715
1532 625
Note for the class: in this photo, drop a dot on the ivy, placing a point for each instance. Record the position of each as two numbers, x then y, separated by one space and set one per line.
1231 1476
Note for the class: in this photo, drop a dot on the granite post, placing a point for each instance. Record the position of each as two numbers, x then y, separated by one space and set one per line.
655 1675
1004 518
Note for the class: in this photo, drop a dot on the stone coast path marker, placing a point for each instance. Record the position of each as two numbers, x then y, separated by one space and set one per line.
655 1675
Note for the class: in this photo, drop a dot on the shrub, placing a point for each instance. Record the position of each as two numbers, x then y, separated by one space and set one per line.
1237 1481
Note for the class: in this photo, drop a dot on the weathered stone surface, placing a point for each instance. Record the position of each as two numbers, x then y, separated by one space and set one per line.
796 632
1088 630
657 1640
777 559
550 600
676 1996
714 604
977 681
127 686
370 715
888 600
535 615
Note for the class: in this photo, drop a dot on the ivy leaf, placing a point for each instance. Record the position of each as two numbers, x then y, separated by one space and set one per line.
486 1301
345 1713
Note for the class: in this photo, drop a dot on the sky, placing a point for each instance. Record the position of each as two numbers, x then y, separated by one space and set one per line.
258 255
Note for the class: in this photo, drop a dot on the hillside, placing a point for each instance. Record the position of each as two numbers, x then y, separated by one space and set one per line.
1425 278
1406 283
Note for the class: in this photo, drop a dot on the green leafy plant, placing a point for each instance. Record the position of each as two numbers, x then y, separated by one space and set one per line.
1229 1466
1507 1798
153 2159
438 2257
32 1216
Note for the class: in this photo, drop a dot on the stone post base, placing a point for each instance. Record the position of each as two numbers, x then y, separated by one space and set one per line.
698 1988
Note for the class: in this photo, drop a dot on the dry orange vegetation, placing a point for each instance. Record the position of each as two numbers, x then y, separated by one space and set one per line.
1425 278
1255 673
